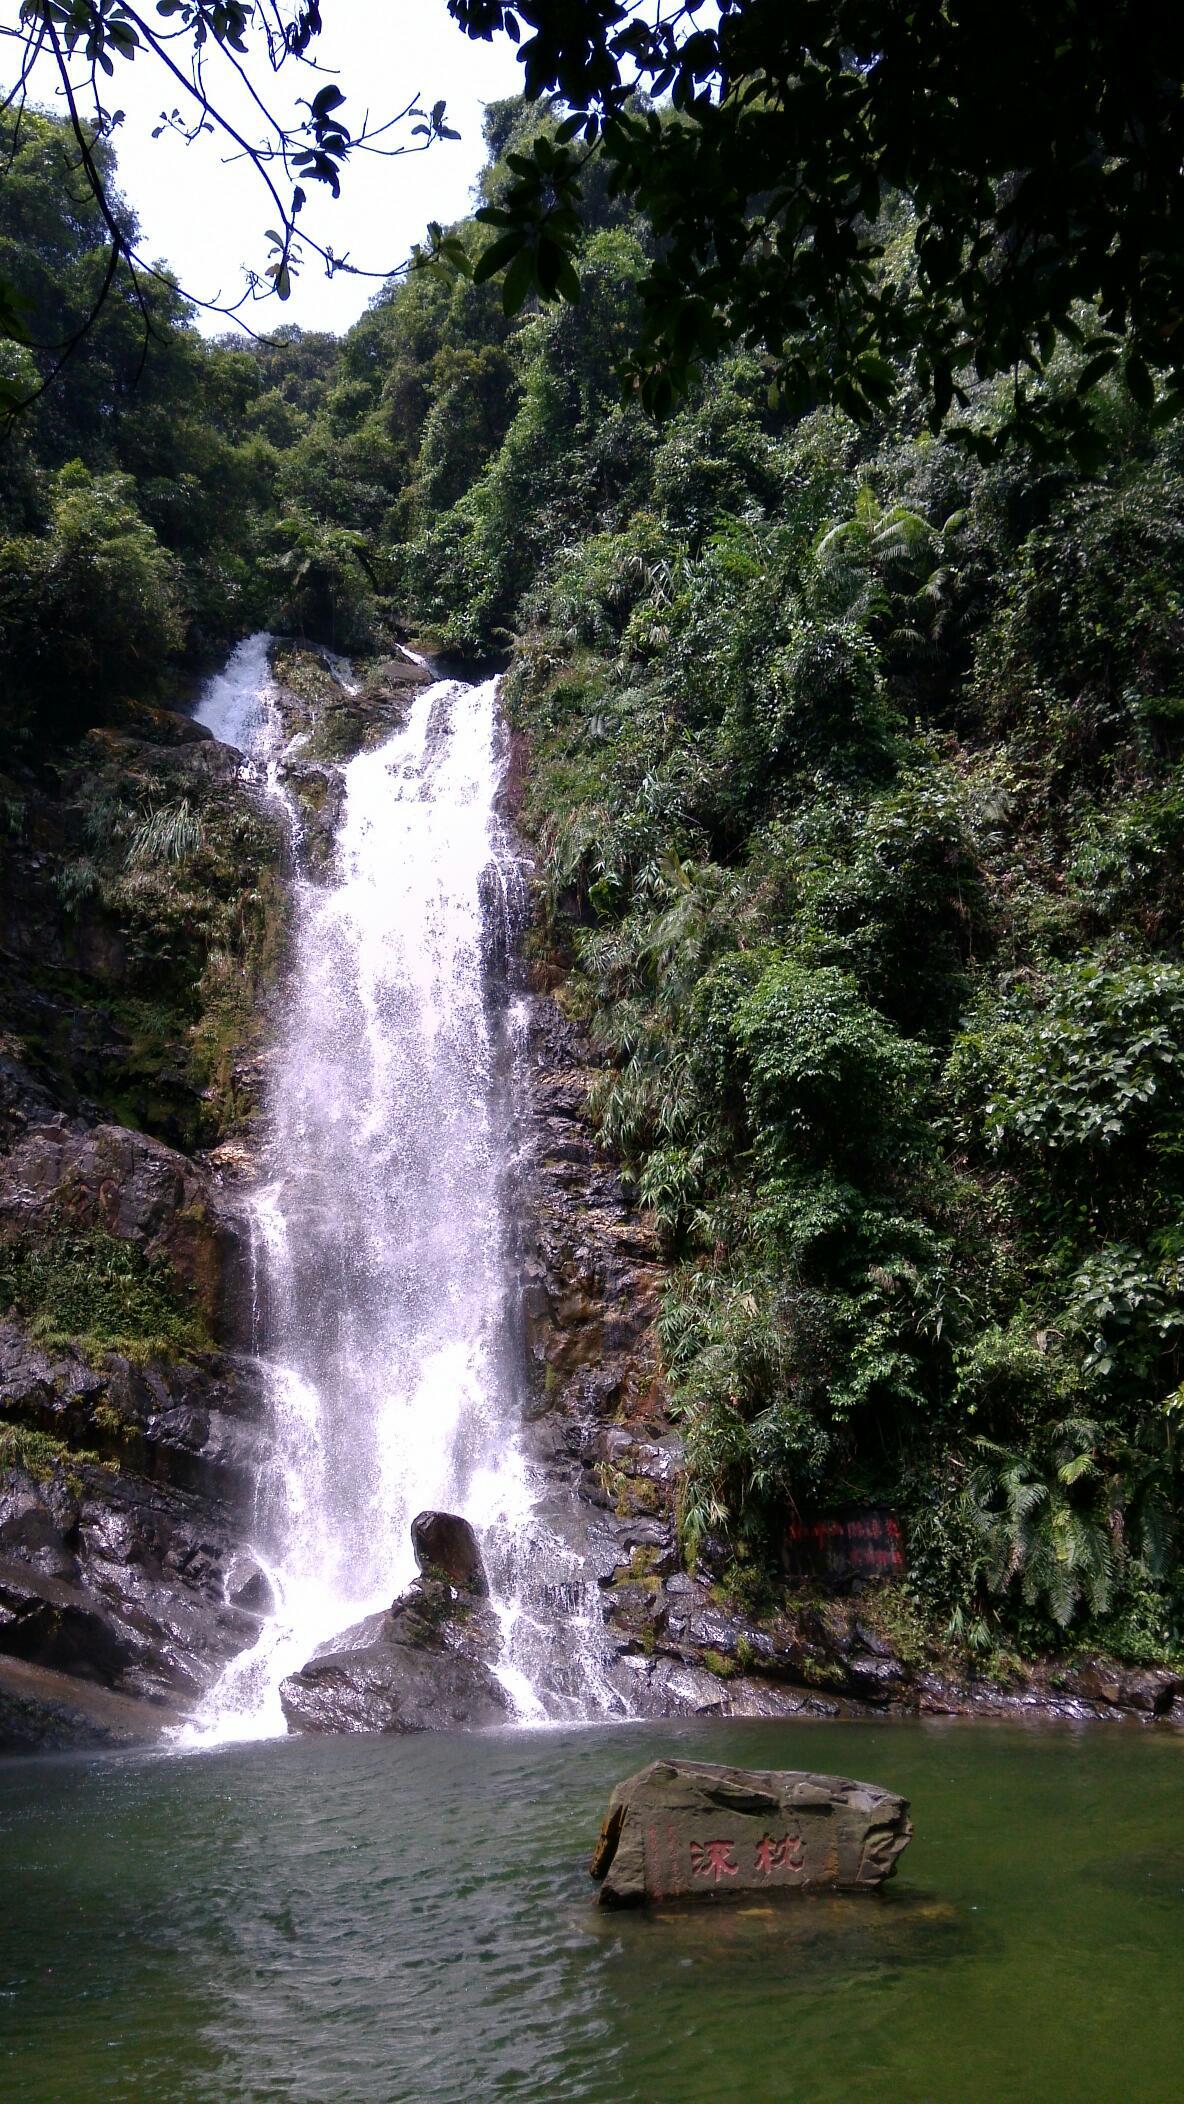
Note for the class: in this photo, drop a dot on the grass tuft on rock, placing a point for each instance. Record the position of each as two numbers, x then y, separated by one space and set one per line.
98 1293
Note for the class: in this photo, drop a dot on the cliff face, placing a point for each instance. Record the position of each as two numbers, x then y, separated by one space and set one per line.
142 931
140 924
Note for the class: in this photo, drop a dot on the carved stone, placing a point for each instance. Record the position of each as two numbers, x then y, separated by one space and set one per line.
691 1830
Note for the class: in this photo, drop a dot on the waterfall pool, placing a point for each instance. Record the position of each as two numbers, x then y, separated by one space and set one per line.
359 1920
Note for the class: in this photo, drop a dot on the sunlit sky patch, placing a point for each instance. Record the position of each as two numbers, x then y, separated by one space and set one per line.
208 216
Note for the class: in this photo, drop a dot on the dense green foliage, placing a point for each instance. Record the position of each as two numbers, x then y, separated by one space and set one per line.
854 781
38 1454
140 517
797 136
98 1292
199 56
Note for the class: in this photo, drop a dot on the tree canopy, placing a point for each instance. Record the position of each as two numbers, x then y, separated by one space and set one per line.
211 54
861 191
1022 168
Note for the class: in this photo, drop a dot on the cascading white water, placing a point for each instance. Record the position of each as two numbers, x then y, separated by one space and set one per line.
235 704
382 1246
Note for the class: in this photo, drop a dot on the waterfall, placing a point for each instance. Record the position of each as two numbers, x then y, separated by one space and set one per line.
382 1242
236 703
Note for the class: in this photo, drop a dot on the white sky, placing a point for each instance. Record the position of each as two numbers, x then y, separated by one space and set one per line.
208 219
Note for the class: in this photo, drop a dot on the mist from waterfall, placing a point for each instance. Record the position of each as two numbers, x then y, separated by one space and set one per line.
383 1252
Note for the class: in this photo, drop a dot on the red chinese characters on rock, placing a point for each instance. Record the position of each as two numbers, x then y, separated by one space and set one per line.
785 1854
713 1859
716 1860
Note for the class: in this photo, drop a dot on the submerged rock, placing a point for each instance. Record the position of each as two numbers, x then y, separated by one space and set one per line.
426 1665
42 1711
691 1830
445 1546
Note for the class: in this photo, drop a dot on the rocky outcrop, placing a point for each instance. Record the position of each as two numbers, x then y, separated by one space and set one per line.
118 1581
129 1446
120 1556
689 1830
124 1492
680 1639
426 1665
326 716
591 1267
25 1102
47 1712
196 1423
446 1547
131 1187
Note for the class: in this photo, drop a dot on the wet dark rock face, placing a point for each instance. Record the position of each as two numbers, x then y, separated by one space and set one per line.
120 1538
426 1665
446 1547
126 1474
46 1712
195 1423
119 1582
597 1422
591 1267
130 1186
119 1534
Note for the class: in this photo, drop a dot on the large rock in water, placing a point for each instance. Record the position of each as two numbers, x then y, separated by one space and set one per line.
424 1666
690 1830
446 1547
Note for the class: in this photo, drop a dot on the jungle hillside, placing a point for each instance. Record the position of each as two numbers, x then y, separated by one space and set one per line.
853 766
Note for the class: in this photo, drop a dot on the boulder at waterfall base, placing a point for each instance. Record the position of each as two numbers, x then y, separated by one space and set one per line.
446 1547
426 1665
691 1830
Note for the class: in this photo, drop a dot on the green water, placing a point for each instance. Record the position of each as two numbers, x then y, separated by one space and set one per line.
378 1919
